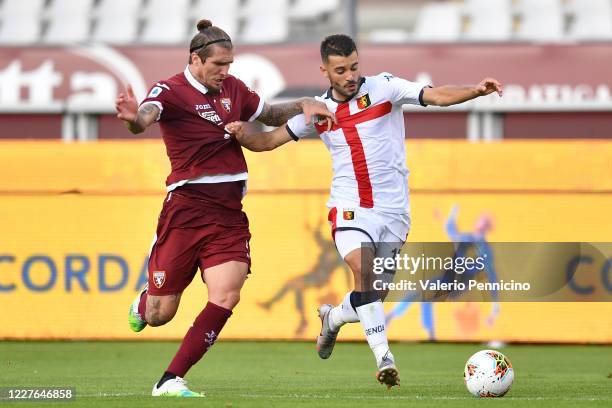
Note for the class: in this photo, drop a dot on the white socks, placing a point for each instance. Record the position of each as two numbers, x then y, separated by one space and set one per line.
372 318
342 314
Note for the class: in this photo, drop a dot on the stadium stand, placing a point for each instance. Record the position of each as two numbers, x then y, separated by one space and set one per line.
20 21
488 20
223 14
162 22
312 10
387 20
592 20
116 21
439 22
166 22
541 20
265 21
68 21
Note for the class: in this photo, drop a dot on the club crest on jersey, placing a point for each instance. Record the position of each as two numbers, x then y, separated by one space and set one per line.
363 101
348 215
227 104
159 278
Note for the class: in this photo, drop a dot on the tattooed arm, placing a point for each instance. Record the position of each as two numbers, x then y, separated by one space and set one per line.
261 141
137 119
280 113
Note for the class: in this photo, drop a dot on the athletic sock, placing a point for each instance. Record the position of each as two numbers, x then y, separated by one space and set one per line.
142 305
372 318
199 338
343 313
167 376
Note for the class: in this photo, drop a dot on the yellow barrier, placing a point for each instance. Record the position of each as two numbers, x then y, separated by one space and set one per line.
132 167
70 264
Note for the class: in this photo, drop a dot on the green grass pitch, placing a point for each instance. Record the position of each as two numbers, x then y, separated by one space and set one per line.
283 374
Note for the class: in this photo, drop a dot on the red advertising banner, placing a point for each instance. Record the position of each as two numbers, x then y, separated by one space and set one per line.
87 77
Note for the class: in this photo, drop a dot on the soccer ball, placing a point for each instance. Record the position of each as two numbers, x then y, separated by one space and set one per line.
488 373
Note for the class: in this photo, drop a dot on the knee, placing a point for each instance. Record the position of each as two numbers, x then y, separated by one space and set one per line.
227 299
356 268
354 261
159 317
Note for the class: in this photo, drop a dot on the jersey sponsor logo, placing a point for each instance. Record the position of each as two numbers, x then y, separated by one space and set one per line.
348 215
202 107
159 278
211 116
227 104
363 101
155 92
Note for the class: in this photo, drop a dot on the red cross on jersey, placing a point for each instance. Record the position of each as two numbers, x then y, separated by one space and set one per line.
367 144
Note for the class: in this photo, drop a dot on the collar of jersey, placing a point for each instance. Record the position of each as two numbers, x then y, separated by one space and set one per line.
194 82
330 95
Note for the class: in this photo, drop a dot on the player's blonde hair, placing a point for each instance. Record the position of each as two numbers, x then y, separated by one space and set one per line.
207 35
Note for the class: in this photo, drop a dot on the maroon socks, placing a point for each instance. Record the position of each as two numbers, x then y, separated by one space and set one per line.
199 338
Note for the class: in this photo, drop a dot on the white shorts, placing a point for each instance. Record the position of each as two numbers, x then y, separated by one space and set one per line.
353 227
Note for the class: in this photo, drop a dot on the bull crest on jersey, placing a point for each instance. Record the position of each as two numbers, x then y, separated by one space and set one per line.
363 101
227 104
159 278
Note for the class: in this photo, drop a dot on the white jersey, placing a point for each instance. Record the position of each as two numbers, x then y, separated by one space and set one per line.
367 144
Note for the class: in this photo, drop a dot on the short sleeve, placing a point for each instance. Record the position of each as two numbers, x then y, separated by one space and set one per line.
157 96
401 91
252 103
298 129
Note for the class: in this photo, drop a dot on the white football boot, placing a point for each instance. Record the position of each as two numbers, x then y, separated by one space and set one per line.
176 387
327 338
387 373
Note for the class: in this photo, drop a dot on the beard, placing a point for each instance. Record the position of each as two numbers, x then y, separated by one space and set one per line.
346 94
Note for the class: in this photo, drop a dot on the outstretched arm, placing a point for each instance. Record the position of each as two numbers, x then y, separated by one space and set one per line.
280 113
451 95
137 119
260 141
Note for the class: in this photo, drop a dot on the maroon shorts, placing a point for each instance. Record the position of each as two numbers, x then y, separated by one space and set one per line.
192 234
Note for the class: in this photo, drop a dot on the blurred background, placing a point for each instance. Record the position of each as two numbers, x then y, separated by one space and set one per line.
80 196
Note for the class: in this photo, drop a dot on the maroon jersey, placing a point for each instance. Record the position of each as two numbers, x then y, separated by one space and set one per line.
192 122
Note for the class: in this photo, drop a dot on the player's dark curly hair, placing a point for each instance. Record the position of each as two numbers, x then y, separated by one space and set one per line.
208 35
337 44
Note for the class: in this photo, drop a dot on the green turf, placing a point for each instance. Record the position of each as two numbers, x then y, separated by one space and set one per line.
262 374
